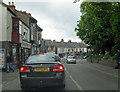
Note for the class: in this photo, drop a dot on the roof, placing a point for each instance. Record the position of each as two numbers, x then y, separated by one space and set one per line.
67 44
39 29
82 45
24 17
7 6
48 43
60 44
4 4
75 44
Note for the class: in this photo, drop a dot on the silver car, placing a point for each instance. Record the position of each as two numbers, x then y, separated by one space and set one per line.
71 59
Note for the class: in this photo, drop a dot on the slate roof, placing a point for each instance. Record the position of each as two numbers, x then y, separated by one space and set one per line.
39 29
76 45
48 43
60 44
67 44
82 45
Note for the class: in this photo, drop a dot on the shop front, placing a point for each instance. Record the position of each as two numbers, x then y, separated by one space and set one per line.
35 49
25 51
13 49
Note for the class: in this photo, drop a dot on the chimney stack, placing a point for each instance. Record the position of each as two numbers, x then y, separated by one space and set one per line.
62 40
12 7
54 42
29 14
69 41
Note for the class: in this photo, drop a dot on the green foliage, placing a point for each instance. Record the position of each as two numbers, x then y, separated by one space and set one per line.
107 56
113 58
99 26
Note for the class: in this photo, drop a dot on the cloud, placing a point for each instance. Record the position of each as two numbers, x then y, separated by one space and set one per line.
57 18
52 1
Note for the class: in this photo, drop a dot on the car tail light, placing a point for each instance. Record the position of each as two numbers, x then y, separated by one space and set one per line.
59 68
25 69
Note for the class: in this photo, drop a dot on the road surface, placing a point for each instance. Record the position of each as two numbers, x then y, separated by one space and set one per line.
81 76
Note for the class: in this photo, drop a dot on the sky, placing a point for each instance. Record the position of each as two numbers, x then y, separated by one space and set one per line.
57 18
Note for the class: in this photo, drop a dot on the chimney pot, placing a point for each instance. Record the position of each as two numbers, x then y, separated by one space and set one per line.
13 3
62 40
9 3
54 41
12 7
69 41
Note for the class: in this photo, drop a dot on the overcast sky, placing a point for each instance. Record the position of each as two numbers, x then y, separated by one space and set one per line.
57 18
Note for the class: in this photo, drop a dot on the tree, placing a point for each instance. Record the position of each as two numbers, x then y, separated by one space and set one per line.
99 26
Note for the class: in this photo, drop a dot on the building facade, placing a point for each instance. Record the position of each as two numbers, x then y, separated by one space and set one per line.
17 34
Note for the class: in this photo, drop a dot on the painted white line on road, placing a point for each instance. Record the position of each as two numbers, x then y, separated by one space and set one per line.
66 71
79 87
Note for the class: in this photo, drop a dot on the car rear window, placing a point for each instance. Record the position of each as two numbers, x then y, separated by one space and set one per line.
38 59
71 57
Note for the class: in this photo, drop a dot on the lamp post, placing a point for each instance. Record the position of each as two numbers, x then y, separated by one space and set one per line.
76 1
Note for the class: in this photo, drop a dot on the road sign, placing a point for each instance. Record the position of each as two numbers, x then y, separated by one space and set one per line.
2 59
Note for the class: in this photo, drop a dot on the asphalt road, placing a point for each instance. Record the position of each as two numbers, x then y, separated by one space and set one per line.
81 76
88 77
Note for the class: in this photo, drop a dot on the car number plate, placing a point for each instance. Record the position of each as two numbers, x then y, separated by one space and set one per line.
41 69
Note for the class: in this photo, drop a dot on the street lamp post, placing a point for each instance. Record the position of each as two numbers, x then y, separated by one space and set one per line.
76 1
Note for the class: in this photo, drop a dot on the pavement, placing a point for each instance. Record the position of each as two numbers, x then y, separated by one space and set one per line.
100 67
108 62
0 80
9 76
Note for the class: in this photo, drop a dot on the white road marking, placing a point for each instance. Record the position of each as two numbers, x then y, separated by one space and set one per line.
66 71
78 86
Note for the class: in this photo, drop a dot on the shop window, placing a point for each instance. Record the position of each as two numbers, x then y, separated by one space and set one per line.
20 27
14 53
25 34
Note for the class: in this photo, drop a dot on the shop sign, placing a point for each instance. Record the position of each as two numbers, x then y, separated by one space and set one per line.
2 60
26 45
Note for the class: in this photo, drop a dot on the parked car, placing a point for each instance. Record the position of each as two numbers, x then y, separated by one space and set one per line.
84 57
55 56
42 71
63 58
71 59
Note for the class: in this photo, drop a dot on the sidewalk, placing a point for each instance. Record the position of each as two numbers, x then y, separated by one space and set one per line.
99 67
103 63
10 81
9 76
